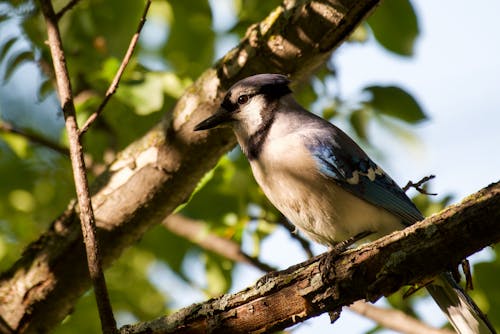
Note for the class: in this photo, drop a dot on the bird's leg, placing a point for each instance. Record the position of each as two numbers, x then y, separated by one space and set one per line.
343 245
419 185
335 250
326 263
272 274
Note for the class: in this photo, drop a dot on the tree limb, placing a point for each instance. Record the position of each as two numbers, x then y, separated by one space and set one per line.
196 232
413 255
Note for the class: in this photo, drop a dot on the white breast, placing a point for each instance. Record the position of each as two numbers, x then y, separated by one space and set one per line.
315 204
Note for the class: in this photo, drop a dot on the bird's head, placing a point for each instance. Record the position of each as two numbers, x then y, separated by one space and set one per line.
249 104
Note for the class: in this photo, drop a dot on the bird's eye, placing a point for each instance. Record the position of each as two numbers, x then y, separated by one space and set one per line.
242 99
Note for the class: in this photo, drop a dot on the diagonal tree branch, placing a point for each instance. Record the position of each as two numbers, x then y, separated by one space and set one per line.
328 283
196 232
159 171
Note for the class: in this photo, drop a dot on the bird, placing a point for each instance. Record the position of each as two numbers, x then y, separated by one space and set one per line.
322 181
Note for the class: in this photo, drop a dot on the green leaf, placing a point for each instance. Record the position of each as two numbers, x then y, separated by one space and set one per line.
14 62
7 46
395 102
486 292
359 122
190 46
218 274
45 89
395 26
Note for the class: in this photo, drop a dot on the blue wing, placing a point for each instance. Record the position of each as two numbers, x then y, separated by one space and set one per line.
341 159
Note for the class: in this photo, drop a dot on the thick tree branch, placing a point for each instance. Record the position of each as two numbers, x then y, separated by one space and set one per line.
159 171
87 217
327 283
197 233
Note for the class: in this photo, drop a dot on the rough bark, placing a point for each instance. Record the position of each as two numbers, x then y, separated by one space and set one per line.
327 283
158 172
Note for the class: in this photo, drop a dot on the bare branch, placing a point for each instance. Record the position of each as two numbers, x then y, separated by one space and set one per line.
305 244
196 232
114 84
34 138
395 319
69 5
87 218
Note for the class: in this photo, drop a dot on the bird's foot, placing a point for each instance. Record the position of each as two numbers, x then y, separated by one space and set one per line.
326 262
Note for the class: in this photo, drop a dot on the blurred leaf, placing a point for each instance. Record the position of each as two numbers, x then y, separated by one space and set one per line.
306 95
329 112
218 271
486 292
252 11
14 62
395 26
22 200
359 120
45 89
395 102
166 246
360 34
429 205
146 95
7 46
190 46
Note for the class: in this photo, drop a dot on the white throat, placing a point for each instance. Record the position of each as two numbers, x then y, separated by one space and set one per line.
249 118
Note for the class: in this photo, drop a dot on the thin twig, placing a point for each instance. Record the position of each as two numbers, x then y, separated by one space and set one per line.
114 84
305 244
68 6
34 138
195 232
87 218
418 186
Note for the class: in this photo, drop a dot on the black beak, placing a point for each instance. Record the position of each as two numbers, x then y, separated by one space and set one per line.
220 117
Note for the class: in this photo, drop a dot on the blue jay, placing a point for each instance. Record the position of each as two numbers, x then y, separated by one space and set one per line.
322 181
